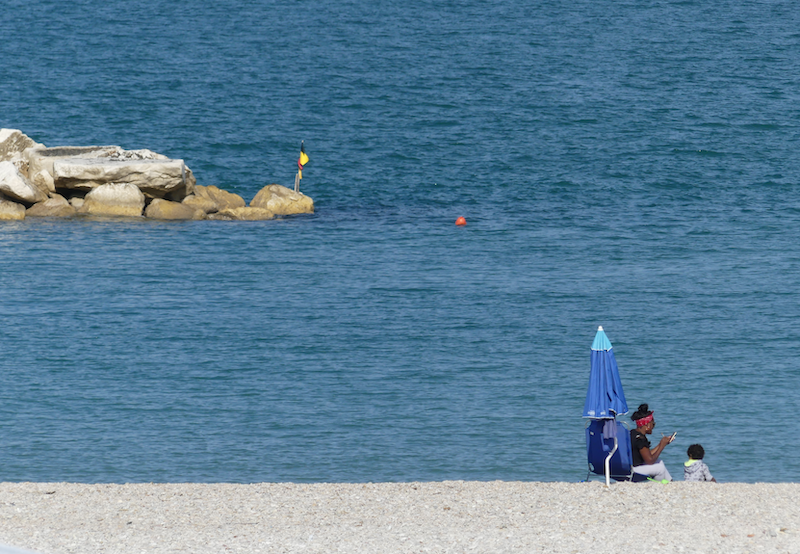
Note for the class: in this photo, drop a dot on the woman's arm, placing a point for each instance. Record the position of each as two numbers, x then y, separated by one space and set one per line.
650 455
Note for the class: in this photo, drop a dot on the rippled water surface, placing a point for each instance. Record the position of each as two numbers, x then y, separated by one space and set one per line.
634 166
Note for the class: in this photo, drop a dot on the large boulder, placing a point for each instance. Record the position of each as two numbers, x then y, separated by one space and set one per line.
114 199
164 209
82 168
43 158
200 203
11 211
57 206
155 178
43 181
242 214
222 199
40 161
13 143
282 201
16 187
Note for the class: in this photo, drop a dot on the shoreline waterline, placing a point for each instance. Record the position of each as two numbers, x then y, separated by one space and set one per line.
448 516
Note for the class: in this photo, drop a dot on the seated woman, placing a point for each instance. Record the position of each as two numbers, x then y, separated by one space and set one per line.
645 459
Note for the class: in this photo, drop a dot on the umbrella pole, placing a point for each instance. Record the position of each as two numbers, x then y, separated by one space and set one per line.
608 462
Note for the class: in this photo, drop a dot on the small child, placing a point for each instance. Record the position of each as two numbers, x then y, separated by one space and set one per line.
695 469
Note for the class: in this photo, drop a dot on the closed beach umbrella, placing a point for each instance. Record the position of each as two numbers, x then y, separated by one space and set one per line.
605 398
604 402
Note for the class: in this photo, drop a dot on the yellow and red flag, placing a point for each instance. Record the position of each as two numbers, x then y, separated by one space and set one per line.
301 161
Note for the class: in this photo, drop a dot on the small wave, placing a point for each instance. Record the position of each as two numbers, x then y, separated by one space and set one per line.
761 126
700 151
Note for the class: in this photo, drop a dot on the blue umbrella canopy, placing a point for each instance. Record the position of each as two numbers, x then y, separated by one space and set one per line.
605 398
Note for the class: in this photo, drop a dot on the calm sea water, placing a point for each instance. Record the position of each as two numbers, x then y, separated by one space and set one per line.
631 165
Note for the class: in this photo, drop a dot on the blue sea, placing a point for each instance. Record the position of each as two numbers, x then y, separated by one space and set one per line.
634 165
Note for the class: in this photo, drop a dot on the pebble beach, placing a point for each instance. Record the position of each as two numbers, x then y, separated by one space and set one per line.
446 517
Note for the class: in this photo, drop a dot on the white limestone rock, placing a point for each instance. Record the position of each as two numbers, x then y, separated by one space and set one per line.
43 181
13 142
83 168
16 187
42 158
155 178
114 199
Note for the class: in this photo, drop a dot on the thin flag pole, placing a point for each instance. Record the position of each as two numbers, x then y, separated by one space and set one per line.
301 161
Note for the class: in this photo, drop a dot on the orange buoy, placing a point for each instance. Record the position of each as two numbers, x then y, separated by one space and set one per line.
461 221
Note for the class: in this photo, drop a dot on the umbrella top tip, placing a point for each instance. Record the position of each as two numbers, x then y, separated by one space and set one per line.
600 328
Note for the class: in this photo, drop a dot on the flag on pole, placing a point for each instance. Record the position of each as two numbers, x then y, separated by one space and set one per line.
301 161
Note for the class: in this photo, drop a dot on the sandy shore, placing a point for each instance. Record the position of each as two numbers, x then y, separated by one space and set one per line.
453 516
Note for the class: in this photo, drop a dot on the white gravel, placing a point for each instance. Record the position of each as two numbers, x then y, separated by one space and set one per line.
452 516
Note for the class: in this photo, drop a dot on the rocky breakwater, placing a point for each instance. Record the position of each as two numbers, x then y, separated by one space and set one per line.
107 181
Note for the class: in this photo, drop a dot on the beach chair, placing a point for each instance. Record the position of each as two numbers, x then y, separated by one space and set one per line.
608 448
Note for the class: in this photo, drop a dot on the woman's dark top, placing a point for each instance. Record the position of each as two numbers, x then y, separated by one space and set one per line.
638 441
